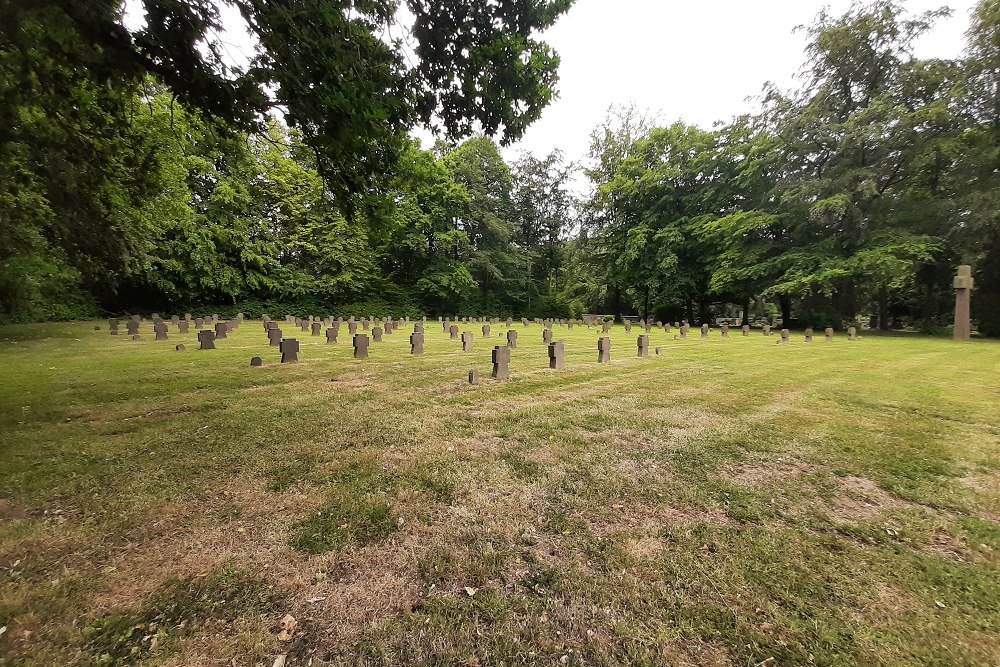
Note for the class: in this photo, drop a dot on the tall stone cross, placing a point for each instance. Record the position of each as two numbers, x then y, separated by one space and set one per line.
963 298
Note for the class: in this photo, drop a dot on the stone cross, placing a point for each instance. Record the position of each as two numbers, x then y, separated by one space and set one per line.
388 327
512 338
642 344
207 339
304 325
557 355
199 323
546 336
352 327
486 331
704 331
963 298
784 335
852 333
417 342
360 346
174 319
182 326
331 335
274 337
809 334
160 329
767 329
628 326
376 334
113 324
317 328
467 340
473 376
133 328
603 350
501 363
829 334
453 331
221 331
746 329
289 351
684 330
725 331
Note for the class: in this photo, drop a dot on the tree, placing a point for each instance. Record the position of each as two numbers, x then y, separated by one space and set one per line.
351 93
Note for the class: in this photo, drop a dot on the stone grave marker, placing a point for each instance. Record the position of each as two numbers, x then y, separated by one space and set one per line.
179 348
603 350
606 327
829 334
256 362
467 341
453 331
352 327
114 327
512 338
360 346
221 331
546 336
274 337
852 333
289 350
207 339
473 376
331 335
376 334
160 329
182 326
767 329
501 363
198 323
725 331
317 328
704 331
746 330
642 344
133 328
486 331
557 355
684 330
417 343
809 334
784 336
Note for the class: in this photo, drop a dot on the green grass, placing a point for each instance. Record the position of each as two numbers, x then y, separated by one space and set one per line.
726 502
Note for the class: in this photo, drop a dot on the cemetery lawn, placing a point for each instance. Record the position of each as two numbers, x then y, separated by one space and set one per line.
729 502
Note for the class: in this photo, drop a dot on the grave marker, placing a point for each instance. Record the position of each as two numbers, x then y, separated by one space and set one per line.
360 346
256 362
417 343
221 331
467 339
557 355
501 363
289 351
512 338
274 337
376 334
642 343
603 350
317 328
207 339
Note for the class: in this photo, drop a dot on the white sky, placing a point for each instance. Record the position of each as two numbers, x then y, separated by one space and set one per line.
693 60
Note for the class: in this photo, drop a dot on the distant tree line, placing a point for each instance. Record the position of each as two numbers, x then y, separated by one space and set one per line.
136 173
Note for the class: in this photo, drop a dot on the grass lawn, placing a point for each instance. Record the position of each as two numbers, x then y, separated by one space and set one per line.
728 502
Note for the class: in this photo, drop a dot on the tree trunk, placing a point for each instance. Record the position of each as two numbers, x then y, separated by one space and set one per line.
703 312
689 309
618 303
786 309
645 309
883 309
746 311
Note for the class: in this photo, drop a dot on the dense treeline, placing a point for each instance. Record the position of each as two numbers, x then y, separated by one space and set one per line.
853 197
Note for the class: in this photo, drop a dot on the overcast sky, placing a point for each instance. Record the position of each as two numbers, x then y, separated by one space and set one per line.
696 61
693 60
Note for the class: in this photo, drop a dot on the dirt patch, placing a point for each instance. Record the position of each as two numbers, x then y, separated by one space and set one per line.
861 499
763 475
